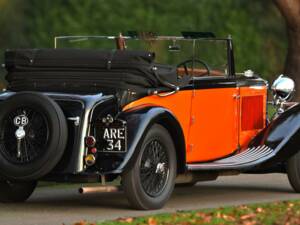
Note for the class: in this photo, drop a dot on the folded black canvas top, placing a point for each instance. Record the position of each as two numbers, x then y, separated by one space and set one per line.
80 69
75 58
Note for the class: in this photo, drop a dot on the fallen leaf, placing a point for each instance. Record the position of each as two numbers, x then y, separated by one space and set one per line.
228 217
129 220
219 215
152 221
260 210
248 216
126 220
243 207
193 221
249 222
200 214
207 219
80 223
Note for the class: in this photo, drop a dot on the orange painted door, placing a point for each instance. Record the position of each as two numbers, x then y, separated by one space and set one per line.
214 124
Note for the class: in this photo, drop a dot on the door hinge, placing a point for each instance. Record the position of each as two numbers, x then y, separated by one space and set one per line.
191 146
193 120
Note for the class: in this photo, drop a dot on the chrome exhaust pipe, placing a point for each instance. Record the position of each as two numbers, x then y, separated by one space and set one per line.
99 189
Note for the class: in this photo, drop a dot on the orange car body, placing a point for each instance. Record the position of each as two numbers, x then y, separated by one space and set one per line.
216 122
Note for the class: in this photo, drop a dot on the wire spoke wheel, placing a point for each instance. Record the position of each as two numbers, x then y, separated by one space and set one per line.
33 136
154 168
31 146
149 183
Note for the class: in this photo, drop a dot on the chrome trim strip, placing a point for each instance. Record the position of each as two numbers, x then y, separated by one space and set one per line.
89 101
246 154
249 157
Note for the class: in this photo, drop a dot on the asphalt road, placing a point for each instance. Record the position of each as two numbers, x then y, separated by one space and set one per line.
58 205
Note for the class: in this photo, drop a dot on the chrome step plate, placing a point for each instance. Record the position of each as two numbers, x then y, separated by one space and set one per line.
247 158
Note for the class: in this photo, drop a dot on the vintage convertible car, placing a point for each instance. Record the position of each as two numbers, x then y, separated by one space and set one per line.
143 111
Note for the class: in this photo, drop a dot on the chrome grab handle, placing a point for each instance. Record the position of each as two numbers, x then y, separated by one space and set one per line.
75 119
166 93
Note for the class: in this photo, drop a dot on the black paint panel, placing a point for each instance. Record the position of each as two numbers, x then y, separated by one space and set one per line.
282 135
224 82
138 122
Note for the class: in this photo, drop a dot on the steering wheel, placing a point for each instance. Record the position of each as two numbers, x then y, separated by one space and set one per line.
184 64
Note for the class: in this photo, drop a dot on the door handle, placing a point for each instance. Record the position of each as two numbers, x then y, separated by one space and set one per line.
236 96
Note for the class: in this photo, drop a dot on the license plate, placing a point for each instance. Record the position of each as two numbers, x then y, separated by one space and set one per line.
114 138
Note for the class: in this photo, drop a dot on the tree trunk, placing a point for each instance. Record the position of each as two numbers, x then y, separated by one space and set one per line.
292 64
290 9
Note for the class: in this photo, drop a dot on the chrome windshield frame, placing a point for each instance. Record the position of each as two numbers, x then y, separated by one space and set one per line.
228 40
78 38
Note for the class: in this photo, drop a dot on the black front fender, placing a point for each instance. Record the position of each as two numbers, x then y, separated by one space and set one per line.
282 135
139 121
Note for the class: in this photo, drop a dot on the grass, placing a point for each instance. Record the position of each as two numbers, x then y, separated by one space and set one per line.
277 213
271 110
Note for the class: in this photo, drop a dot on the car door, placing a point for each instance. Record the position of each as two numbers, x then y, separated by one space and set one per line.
214 127
214 119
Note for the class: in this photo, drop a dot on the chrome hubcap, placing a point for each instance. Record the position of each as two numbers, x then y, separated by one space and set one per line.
160 168
24 135
20 133
154 171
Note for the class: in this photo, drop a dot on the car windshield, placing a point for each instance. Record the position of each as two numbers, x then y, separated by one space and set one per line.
190 56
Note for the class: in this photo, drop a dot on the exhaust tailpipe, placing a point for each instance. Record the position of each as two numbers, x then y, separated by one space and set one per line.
99 189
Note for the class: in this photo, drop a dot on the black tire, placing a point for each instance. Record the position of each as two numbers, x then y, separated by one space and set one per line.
159 171
44 143
16 191
293 171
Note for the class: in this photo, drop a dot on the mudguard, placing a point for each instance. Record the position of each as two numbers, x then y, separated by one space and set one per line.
282 135
139 121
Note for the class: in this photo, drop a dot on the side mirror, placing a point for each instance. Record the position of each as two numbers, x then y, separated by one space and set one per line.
283 89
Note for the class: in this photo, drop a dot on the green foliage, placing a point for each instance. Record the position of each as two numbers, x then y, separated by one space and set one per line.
286 212
256 26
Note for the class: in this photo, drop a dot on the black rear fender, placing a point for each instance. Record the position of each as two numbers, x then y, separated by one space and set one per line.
139 121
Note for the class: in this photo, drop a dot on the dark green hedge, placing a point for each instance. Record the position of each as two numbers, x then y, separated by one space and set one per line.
256 26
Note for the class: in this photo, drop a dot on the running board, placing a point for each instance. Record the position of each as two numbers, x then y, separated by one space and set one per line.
245 159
